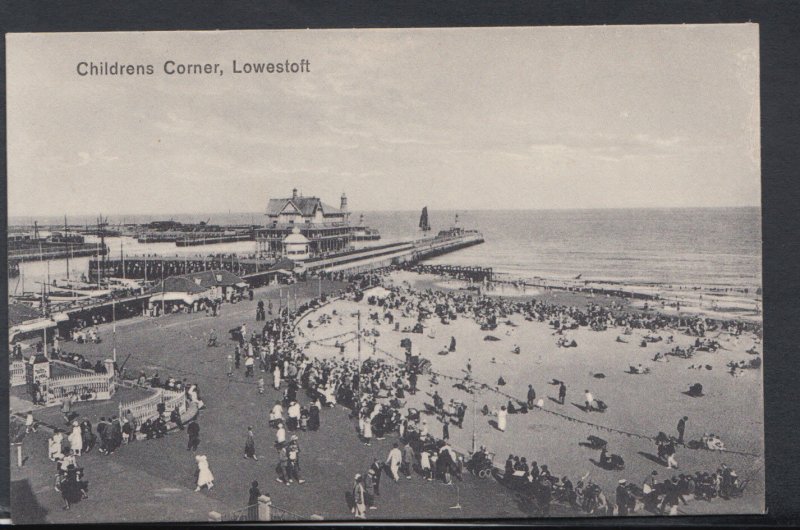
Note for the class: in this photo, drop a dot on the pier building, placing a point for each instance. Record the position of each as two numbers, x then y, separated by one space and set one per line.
323 229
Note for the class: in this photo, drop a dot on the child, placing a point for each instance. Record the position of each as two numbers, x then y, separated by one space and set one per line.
261 385
30 425
303 419
425 464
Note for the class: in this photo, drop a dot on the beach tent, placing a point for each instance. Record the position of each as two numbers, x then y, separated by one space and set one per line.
377 292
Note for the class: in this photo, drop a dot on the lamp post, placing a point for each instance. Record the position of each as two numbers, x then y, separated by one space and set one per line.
114 327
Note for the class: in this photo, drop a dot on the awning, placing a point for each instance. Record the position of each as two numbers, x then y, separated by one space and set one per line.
36 325
60 317
177 297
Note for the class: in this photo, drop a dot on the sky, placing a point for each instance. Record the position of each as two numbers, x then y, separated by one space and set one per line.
474 118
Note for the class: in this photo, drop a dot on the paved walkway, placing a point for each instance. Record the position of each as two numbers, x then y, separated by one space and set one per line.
153 480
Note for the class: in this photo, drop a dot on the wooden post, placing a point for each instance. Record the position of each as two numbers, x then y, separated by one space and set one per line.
19 453
264 508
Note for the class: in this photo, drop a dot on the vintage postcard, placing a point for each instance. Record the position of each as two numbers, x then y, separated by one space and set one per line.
387 274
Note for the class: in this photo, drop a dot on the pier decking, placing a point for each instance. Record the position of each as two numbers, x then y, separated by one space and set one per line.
258 270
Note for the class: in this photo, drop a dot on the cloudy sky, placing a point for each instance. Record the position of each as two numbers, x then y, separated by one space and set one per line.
592 117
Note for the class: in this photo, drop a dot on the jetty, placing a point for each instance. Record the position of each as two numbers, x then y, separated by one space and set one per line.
259 271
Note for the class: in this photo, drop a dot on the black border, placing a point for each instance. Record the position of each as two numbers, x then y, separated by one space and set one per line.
779 23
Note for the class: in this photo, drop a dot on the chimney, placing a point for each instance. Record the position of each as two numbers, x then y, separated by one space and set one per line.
343 205
294 193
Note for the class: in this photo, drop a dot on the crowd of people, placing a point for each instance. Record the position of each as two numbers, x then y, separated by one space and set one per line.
375 390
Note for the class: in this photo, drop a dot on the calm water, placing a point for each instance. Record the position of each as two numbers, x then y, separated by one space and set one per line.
715 246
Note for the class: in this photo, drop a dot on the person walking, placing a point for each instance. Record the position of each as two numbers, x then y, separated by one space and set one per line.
531 396
276 377
204 475
589 399
502 416
377 470
250 445
562 392
623 498
408 460
445 429
281 468
252 501
293 462
76 439
193 431
369 486
682 428
393 461
280 436
359 501
425 465
249 363
229 365
66 409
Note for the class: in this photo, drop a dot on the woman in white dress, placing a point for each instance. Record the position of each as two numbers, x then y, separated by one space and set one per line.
76 439
195 397
204 476
502 415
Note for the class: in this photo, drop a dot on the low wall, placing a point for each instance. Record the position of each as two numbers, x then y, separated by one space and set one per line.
147 408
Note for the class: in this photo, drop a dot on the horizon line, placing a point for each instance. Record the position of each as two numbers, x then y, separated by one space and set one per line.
594 208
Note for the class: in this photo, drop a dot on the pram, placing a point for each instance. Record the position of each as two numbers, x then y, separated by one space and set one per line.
480 464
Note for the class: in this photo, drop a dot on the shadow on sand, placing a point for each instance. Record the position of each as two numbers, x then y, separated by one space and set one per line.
651 457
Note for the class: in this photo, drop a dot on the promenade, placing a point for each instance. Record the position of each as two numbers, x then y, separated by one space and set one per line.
156 478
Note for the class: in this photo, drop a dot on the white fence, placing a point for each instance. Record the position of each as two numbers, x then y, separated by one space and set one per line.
147 408
86 386
17 372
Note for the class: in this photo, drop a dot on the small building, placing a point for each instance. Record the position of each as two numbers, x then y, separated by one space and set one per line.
222 284
191 288
178 290
296 246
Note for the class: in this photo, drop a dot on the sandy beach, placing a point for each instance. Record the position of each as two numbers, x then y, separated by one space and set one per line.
643 405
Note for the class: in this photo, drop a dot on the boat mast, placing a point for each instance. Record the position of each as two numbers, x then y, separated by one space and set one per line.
70 245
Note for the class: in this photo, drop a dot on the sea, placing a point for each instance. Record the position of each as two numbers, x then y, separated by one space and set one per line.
705 247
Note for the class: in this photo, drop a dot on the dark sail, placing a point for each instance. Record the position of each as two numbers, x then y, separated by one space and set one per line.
423 220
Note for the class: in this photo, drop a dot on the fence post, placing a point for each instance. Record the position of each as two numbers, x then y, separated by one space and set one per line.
109 364
264 508
214 517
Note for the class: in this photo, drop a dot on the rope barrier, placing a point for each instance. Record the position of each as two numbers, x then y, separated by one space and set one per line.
555 413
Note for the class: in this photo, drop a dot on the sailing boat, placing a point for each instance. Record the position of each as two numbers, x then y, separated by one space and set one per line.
423 221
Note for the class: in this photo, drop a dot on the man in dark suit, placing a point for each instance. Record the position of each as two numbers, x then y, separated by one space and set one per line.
194 436
681 428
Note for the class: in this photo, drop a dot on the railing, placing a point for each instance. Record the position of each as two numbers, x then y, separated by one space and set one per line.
264 510
88 387
279 514
173 398
249 513
17 372
147 408
143 409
